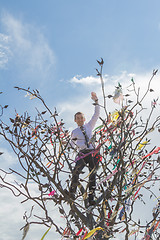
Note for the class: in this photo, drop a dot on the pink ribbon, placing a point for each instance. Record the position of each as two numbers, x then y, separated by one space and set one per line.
52 193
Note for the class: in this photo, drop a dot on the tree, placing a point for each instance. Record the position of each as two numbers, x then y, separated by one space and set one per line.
129 165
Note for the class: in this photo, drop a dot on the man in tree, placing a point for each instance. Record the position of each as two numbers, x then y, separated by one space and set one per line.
81 139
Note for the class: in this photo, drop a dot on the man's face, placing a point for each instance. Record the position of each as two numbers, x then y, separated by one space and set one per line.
80 119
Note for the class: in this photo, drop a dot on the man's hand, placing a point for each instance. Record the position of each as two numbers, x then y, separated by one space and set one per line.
94 96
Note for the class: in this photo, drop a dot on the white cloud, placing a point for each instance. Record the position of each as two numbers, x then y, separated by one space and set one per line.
7 158
89 80
5 52
31 53
12 211
83 103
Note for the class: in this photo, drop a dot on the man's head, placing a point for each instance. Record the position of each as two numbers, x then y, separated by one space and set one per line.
79 118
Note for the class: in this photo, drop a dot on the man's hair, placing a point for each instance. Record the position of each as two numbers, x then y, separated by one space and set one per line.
77 113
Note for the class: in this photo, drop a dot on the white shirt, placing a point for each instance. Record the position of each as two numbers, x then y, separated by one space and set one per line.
78 138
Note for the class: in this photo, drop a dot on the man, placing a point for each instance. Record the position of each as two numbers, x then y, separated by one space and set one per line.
81 140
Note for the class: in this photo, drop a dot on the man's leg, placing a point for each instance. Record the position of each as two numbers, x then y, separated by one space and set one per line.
75 176
93 165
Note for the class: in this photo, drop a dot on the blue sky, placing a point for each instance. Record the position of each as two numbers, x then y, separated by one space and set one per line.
53 46
76 33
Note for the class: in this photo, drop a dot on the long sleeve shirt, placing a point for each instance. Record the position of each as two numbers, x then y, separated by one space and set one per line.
77 137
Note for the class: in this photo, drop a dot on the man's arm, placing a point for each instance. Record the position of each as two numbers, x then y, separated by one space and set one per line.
95 116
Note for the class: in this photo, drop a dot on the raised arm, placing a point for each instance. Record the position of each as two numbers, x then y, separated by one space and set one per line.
95 116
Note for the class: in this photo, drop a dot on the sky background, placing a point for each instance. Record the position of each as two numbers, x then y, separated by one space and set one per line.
53 46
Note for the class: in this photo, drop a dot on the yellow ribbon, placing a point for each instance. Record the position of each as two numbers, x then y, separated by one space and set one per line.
142 145
45 233
92 232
